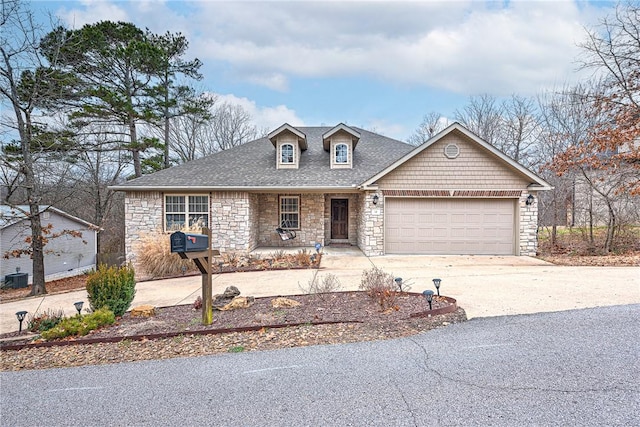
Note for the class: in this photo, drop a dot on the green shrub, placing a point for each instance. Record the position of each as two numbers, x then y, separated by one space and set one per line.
112 287
80 325
45 321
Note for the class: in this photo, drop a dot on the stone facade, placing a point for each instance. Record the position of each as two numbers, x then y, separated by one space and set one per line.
371 225
311 220
143 213
242 221
528 223
233 221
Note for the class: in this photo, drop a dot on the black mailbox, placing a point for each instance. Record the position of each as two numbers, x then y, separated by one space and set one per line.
187 242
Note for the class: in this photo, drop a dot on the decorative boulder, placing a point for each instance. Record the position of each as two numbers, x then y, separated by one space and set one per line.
238 302
225 298
143 311
281 302
231 292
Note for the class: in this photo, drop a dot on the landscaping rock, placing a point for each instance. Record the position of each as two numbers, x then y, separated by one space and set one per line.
238 302
220 300
143 311
281 302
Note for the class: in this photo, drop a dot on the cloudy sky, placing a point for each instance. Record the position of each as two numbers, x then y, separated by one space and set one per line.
379 65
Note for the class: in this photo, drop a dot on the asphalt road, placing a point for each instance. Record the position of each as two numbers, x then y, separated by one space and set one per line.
578 367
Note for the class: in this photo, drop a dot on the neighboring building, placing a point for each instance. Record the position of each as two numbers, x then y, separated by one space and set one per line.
64 256
454 194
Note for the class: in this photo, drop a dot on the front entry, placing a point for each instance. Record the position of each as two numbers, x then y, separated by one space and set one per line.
339 218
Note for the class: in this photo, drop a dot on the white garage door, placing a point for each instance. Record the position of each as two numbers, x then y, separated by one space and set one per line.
450 226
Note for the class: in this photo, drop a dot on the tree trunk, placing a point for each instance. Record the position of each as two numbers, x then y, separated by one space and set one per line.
166 140
135 149
37 244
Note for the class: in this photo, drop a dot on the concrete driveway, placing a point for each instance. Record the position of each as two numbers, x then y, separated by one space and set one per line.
483 285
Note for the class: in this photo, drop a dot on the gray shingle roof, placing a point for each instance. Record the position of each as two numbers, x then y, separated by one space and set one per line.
254 165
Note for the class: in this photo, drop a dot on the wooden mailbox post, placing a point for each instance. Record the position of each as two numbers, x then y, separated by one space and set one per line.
197 247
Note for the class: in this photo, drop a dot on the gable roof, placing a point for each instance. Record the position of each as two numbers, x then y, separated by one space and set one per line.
302 138
12 215
355 136
252 166
537 183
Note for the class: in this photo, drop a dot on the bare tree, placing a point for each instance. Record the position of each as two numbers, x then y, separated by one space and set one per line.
520 130
28 83
483 116
228 125
431 124
231 126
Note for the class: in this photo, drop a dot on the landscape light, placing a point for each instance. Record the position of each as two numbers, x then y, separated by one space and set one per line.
21 315
78 306
436 283
428 294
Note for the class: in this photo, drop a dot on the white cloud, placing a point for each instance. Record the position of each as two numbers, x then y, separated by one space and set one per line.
468 47
92 11
264 117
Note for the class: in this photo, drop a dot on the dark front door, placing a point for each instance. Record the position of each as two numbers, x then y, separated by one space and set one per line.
339 218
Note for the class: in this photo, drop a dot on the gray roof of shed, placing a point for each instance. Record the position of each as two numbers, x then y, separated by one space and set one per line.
253 165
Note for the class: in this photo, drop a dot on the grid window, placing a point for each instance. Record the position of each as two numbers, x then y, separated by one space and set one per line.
290 212
342 153
180 208
286 153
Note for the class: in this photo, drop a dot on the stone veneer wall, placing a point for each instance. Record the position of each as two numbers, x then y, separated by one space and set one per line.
142 214
232 213
354 210
371 225
528 225
311 220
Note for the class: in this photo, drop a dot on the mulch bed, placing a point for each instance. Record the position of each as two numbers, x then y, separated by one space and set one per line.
333 318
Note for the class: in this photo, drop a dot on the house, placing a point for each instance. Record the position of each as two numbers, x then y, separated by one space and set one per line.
454 194
66 255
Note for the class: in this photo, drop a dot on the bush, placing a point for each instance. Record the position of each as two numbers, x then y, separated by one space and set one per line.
156 259
329 283
45 321
112 287
80 325
381 287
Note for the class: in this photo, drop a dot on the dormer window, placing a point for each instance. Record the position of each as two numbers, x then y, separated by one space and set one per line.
289 143
342 154
287 154
340 143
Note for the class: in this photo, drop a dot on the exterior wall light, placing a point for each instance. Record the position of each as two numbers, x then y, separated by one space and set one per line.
529 201
21 315
375 199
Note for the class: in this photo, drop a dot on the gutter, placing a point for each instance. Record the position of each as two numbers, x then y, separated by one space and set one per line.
264 189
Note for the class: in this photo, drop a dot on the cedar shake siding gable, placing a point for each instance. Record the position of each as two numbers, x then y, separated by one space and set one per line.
473 169
455 159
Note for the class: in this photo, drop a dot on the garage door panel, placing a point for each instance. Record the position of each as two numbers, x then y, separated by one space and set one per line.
450 226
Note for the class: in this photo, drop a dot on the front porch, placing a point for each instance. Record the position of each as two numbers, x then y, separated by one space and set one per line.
330 250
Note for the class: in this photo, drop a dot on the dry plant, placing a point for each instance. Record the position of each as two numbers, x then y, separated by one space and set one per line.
155 257
329 283
302 258
381 287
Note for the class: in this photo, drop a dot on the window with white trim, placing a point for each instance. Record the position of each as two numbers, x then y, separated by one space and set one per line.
186 211
286 153
290 212
342 153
